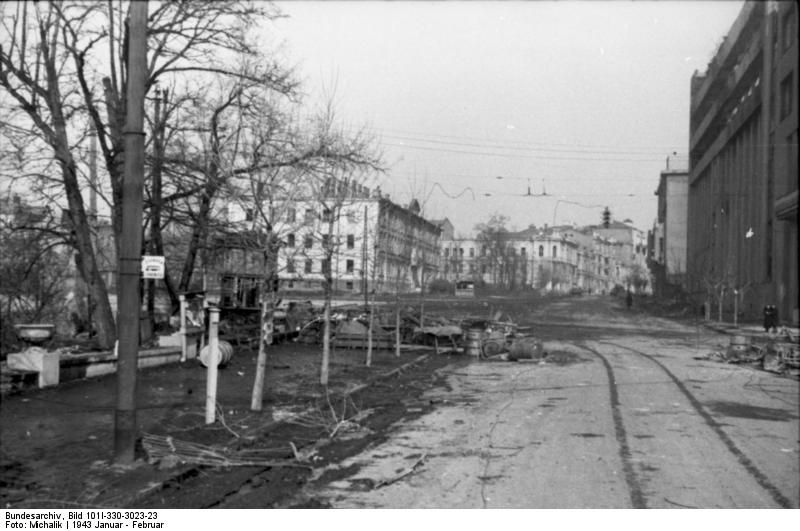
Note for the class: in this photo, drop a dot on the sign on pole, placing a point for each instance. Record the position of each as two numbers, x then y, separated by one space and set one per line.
153 267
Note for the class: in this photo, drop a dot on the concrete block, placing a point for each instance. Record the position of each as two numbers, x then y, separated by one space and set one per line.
191 350
172 340
37 359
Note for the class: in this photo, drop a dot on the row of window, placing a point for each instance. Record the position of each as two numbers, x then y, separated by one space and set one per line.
325 265
308 241
484 251
310 215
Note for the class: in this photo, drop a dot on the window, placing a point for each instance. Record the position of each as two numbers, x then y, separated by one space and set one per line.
446 252
555 251
460 268
483 251
523 251
472 268
309 215
326 266
350 266
351 241
541 250
461 251
349 285
788 29
291 215
483 269
290 266
787 93
248 214
327 215
309 243
326 241
290 240
309 266
472 252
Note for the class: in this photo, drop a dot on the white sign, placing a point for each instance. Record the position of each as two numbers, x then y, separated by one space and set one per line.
153 267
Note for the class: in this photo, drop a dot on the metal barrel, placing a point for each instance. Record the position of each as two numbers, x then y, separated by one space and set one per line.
474 342
740 341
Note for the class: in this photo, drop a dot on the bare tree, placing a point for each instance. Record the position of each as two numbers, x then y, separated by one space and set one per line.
32 267
290 167
495 238
65 68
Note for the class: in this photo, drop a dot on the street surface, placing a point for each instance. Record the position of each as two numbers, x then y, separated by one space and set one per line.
625 413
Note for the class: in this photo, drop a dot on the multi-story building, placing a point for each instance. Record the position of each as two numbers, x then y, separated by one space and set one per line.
669 245
550 259
743 185
363 239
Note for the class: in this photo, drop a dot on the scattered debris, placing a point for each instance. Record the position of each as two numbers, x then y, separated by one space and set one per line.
326 418
774 353
168 452
406 472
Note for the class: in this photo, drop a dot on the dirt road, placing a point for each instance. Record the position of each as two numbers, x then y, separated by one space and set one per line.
625 413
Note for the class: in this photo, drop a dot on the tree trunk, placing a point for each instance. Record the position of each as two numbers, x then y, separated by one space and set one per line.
268 297
369 332
197 240
103 317
326 336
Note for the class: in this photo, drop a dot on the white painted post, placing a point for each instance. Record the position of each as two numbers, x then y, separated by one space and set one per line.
182 299
213 363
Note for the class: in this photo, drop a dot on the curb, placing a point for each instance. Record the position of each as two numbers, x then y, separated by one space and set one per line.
183 471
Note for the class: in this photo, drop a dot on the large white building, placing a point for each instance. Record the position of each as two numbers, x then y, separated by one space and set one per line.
551 259
368 242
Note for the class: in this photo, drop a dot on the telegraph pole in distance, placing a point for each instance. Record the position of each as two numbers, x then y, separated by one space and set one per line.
129 306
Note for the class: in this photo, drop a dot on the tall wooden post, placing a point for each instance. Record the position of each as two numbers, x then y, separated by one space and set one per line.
213 365
184 345
364 260
131 239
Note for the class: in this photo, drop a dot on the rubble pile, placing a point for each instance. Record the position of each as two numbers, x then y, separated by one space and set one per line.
775 353
495 337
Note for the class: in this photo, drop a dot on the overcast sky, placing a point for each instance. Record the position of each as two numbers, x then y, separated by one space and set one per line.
582 99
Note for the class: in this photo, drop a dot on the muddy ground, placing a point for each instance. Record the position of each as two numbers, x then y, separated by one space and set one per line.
57 443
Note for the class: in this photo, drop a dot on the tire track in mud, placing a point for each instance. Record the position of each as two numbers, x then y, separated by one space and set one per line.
631 479
760 478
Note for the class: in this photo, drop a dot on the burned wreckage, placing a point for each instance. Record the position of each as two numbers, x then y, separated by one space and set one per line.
234 282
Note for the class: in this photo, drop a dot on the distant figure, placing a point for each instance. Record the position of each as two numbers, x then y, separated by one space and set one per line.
770 318
629 300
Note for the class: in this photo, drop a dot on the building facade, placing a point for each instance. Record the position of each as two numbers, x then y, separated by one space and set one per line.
669 245
550 259
368 242
742 202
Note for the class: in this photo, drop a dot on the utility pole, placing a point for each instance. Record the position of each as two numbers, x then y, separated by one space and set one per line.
364 260
130 257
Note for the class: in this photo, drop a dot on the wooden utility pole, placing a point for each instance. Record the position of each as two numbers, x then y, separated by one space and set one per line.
130 258
364 265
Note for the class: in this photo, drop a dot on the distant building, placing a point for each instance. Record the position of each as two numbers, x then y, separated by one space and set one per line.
629 246
743 184
669 245
549 259
376 244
